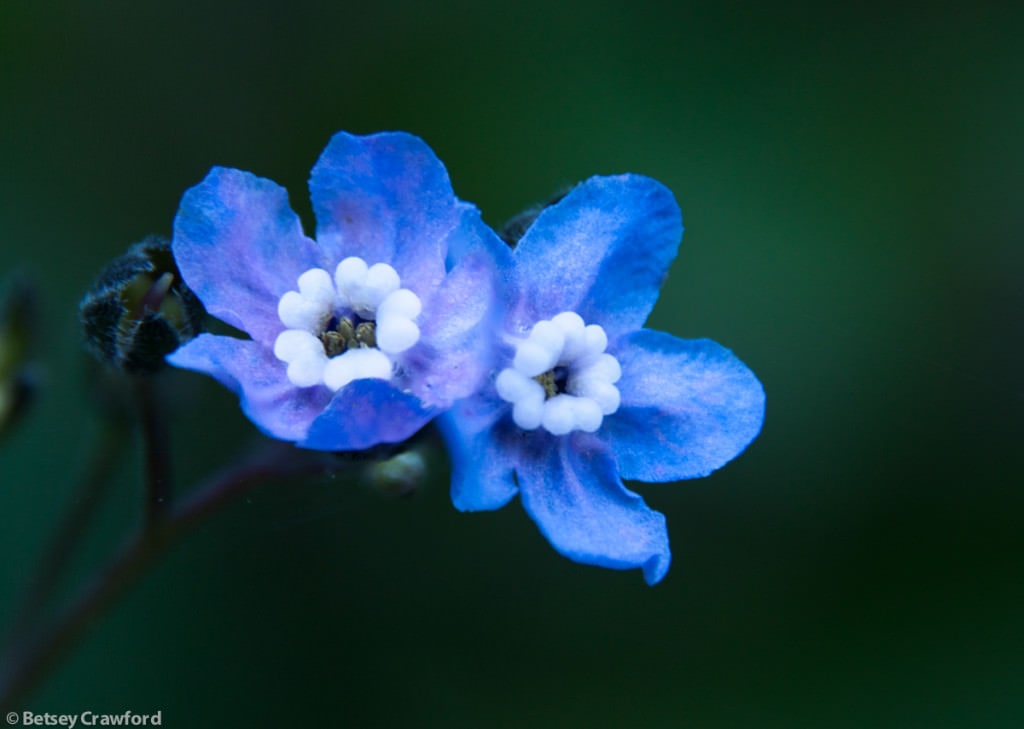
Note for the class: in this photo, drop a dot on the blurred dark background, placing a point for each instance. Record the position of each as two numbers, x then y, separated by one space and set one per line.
851 181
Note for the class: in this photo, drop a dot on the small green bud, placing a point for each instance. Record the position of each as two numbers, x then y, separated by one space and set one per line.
402 475
139 310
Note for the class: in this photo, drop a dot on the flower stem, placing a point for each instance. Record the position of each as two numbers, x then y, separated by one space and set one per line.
156 450
93 486
28 662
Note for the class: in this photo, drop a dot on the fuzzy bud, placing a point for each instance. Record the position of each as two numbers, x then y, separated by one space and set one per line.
139 310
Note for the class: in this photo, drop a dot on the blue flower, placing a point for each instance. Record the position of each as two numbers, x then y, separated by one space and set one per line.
358 337
584 396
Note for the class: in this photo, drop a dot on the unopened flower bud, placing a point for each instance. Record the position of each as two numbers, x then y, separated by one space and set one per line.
139 310
17 320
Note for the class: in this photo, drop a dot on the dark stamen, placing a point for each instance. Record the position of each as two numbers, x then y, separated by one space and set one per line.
345 329
553 381
334 343
366 334
345 335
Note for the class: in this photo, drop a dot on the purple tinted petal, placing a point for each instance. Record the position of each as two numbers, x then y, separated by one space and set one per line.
387 199
366 413
472 237
603 251
459 317
239 246
252 372
688 407
580 504
482 448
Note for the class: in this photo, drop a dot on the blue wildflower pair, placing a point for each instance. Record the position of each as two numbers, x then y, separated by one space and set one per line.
407 307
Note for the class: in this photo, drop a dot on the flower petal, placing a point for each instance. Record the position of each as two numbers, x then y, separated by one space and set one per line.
603 251
459 317
240 247
251 371
481 447
688 407
572 491
387 199
365 413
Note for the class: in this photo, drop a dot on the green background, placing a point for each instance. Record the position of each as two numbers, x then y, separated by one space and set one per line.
851 181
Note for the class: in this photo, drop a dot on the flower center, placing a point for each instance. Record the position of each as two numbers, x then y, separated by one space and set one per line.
346 334
561 378
346 327
553 381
